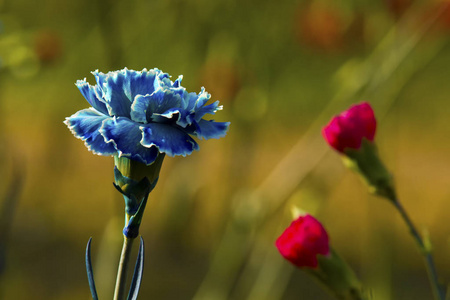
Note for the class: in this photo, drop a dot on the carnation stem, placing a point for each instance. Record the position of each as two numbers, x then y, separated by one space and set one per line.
119 292
425 250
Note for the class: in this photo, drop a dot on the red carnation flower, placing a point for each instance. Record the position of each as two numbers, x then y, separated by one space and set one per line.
349 128
302 241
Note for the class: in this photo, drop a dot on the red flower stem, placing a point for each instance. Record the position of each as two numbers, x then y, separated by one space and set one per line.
426 252
119 292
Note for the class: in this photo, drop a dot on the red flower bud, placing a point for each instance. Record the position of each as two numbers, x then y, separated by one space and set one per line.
349 128
302 241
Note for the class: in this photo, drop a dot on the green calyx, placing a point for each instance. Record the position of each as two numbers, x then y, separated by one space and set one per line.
366 162
136 170
338 277
135 181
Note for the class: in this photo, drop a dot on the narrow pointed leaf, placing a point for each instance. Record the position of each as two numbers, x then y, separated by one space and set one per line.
90 274
138 271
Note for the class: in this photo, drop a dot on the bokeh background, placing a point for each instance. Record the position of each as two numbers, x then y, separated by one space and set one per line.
281 69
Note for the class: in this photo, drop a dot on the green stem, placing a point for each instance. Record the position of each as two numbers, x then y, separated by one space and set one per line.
426 252
119 292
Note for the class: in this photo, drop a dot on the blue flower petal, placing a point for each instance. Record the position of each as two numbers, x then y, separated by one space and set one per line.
162 100
132 82
177 82
117 98
208 109
139 109
140 82
85 125
168 139
93 95
126 136
194 108
169 116
189 101
203 97
158 103
185 119
210 130
164 80
189 107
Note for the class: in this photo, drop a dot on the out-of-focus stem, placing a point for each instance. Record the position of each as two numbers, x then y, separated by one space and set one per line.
426 252
119 292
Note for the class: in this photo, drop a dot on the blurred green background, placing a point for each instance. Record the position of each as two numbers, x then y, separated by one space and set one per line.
281 69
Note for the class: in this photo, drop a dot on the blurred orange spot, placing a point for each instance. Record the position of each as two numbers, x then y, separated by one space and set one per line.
438 14
47 45
398 7
319 27
443 10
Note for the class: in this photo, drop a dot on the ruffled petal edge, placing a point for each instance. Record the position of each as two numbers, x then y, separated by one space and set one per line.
168 139
92 138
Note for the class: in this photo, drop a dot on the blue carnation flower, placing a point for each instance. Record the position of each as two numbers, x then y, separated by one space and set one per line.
141 114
